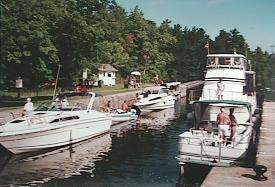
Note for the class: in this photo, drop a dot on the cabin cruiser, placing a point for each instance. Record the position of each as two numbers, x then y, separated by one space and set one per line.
230 84
202 144
155 101
53 127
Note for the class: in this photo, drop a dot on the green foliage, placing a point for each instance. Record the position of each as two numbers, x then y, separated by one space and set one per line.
38 35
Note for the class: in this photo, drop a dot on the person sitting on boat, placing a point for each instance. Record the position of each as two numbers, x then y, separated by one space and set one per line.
125 106
220 89
131 104
233 125
64 102
107 107
56 104
223 122
28 107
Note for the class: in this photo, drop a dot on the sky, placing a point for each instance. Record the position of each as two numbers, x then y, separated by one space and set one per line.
254 19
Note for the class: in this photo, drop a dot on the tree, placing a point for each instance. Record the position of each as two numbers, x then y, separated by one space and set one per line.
27 45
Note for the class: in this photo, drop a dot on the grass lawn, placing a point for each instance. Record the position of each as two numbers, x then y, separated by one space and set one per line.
10 97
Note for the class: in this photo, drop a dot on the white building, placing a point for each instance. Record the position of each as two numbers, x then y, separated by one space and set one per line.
107 73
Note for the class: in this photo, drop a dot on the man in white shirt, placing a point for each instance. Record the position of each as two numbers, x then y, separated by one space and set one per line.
28 107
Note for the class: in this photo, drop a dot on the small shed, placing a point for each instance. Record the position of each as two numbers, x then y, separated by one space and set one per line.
107 74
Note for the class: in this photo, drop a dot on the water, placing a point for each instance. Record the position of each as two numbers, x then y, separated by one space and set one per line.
141 154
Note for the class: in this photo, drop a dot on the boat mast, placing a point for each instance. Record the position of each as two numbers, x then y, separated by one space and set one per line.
56 80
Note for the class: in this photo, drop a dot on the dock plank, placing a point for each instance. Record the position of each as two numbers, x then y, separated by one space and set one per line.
240 176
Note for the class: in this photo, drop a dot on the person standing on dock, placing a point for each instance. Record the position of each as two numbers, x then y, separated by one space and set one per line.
28 107
223 122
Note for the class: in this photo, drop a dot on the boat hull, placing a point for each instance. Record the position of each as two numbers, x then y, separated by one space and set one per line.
59 136
163 104
123 117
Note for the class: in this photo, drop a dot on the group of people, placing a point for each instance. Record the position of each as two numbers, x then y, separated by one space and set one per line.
227 125
126 105
57 103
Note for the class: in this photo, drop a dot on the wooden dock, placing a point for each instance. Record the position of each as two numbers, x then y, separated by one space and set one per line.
265 159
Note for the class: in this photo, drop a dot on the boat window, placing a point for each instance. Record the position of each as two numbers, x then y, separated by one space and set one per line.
65 119
155 98
17 121
237 61
211 61
221 61
225 61
39 113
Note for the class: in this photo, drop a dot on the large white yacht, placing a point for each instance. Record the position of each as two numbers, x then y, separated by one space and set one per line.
229 77
229 83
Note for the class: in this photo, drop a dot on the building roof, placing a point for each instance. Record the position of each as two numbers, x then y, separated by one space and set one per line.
106 68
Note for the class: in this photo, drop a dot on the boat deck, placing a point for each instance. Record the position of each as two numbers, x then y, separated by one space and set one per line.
241 176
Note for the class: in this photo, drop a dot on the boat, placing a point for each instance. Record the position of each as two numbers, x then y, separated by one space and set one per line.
229 84
119 116
54 126
155 101
228 77
172 88
202 144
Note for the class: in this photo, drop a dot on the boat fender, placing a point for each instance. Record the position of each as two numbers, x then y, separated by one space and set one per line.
254 119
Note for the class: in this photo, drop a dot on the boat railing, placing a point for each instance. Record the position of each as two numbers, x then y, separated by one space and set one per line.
219 66
6 118
202 142
211 94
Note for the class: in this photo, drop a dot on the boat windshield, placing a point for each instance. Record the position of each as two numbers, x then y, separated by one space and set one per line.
58 106
226 62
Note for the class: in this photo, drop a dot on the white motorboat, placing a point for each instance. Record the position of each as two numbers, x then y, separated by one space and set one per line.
119 116
155 101
53 127
172 88
202 145
229 83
